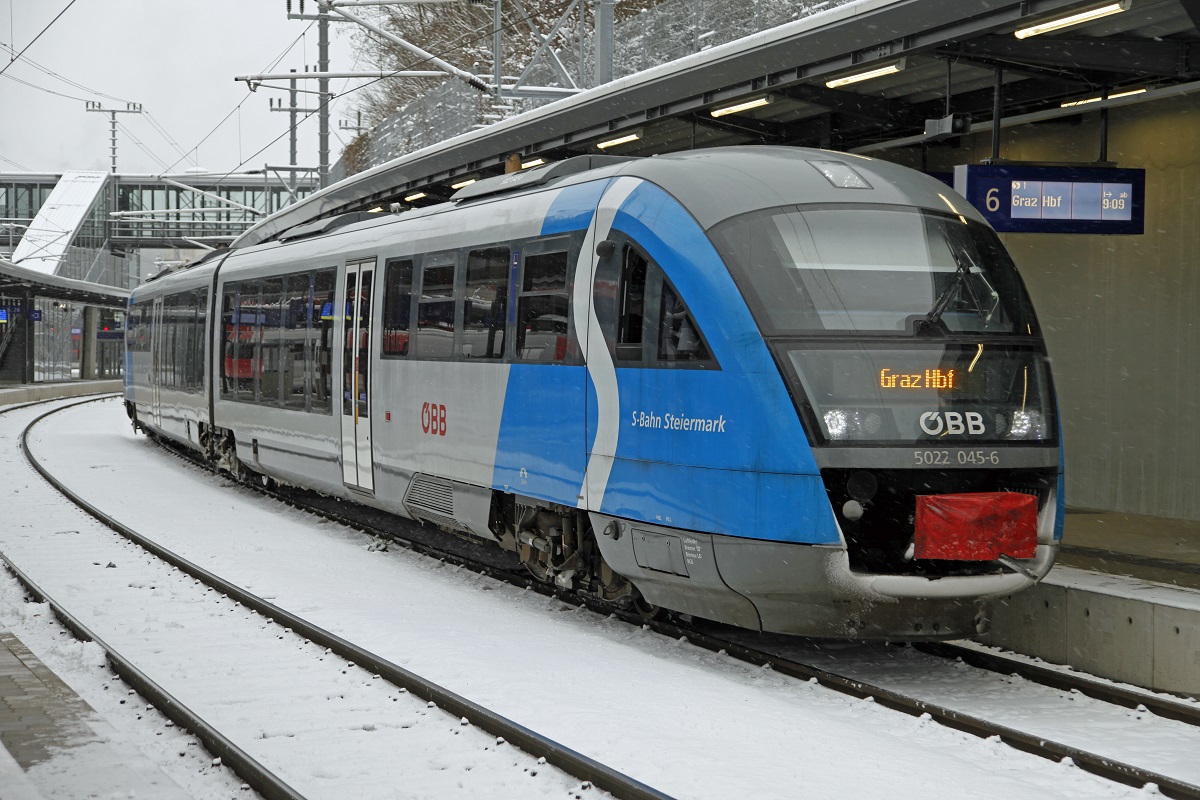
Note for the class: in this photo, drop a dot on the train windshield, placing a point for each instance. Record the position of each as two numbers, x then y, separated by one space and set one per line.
873 269
930 391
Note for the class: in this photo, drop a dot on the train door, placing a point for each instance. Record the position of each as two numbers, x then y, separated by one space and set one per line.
357 463
157 339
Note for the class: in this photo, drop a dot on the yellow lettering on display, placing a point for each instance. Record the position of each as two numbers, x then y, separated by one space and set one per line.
943 380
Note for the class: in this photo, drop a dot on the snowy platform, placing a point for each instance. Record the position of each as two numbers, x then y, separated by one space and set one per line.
14 395
56 746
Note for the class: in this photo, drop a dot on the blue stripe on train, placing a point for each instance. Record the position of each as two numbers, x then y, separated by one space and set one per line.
573 208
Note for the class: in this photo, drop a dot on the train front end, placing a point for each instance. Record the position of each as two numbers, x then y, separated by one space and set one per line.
914 360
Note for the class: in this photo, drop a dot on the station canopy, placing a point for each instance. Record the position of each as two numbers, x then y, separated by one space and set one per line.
16 279
936 58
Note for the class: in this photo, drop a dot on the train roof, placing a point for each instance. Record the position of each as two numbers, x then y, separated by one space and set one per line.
713 184
718 183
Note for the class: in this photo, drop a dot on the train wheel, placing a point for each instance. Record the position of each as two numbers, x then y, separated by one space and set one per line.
646 610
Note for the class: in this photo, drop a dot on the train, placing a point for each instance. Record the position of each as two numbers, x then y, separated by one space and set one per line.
790 390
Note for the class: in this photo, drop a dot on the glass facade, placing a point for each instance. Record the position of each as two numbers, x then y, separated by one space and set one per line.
181 220
99 251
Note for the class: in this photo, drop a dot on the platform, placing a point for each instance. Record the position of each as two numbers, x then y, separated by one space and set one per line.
11 395
56 746
1148 548
1122 602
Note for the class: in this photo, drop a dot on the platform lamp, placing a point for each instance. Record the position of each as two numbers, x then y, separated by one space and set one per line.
1078 18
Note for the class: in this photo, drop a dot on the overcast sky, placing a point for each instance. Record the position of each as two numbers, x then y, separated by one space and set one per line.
178 59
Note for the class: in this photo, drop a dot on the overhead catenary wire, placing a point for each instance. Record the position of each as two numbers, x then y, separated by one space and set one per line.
478 34
42 68
154 123
15 164
140 145
43 30
238 107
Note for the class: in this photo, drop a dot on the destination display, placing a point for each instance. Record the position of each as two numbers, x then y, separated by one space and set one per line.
1022 199
941 380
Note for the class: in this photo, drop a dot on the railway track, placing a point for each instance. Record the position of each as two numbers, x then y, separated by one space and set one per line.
733 644
539 749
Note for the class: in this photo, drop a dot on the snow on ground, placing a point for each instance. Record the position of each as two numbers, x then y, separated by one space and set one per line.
83 667
690 723
1127 735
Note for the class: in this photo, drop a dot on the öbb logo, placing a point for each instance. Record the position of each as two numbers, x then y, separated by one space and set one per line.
433 419
952 423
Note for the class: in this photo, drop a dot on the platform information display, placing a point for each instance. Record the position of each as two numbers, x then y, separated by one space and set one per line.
1023 199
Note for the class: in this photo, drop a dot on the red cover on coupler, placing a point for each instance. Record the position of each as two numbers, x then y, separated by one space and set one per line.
975 527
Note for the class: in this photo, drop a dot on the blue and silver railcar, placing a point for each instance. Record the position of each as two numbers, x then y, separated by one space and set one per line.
792 390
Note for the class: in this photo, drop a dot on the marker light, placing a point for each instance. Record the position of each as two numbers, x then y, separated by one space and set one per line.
858 77
413 197
631 137
758 102
1073 103
461 184
1073 19
537 162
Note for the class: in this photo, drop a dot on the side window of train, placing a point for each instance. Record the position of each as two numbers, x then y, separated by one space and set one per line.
229 340
679 338
397 307
434 336
485 303
646 321
543 326
320 372
198 344
631 304
269 343
294 353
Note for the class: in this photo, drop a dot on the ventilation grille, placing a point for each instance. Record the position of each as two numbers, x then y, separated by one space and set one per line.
432 499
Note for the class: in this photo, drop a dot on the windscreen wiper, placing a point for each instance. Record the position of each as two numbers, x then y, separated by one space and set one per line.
963 265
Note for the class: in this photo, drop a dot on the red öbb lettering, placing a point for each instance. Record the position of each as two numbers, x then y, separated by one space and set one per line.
433 419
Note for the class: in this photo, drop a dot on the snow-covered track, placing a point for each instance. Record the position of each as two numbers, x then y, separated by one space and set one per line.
928 698
453 550
982 727
531 742
1106 691
254 773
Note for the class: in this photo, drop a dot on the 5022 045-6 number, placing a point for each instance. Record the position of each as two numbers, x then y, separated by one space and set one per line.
961 458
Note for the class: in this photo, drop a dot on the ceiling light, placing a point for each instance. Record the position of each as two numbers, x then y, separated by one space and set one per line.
413 197
1073 19
746 106
629 137
461 184
857 77
1072 103
375 210
537 162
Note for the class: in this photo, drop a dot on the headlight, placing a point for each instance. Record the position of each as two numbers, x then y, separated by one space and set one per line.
1027 425
851 423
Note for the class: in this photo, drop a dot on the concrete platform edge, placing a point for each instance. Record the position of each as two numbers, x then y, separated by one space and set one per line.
47 391
1123 629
